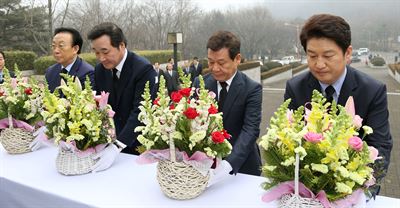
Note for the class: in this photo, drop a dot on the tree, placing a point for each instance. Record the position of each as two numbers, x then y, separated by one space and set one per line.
22 26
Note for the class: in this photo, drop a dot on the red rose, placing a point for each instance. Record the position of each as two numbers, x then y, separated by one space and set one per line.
185 92
28 91
191 113
172 107
176 97
226 135
217 137
155 102
1 93
212 109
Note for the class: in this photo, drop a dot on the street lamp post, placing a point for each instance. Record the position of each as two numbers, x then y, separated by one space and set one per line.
175 38
297 26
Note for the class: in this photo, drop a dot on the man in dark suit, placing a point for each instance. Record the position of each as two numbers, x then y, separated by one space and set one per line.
197 67
123 74
326 40
66 45
2 65
188 70
171 79
239 98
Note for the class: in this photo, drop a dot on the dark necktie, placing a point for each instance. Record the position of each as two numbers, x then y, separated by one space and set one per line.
64 71
222 96
115 82
329 93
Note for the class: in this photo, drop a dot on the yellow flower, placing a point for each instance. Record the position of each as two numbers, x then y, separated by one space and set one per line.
319 167
343 188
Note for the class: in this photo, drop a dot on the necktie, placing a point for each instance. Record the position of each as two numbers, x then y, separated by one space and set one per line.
329 93
115 82
222 96
64 71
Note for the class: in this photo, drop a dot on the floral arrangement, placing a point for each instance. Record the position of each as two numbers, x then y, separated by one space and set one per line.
335 162
190 117
80 118
20 98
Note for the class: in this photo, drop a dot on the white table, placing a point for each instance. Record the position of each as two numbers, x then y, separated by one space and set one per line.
31 180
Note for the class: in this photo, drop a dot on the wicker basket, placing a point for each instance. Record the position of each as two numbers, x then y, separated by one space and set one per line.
179 180
295 200
69 163
16 140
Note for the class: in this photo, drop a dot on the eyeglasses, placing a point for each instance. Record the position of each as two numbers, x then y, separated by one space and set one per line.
60 46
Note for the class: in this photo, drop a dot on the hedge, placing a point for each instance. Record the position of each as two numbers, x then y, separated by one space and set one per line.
161 56
24 59
378 61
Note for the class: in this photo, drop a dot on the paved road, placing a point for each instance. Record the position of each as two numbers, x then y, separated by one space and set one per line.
273 97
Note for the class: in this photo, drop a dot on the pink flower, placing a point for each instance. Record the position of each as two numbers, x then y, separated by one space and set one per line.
357 121
370 182
102 99
313 137
14 83
289 116
356 143
350 109
110 113
373 153
212 94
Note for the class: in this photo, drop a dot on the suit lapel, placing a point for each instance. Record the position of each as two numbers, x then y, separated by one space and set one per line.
348 86
124 77
211 84
313 84
234 90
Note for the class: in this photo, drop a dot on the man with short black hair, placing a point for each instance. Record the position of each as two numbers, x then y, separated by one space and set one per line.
66 46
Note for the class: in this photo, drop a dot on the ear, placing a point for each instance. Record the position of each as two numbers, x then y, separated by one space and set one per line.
347 54
238 58
76 48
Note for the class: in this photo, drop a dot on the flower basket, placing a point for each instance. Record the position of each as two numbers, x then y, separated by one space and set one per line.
70 163
184 133
314 157
16 140
179 180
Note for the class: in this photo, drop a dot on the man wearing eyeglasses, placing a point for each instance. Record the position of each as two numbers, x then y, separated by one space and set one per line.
66 45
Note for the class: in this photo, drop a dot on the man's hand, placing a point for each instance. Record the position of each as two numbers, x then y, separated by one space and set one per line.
106 158
220 173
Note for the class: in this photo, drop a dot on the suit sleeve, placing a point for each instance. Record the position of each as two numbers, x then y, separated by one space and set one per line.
127 135
250 129
378 120
290 94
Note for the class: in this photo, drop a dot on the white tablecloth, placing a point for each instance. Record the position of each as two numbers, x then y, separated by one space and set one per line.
31 180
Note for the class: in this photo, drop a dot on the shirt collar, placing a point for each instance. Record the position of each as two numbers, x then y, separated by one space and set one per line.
121 64
336 85
229 81
69 67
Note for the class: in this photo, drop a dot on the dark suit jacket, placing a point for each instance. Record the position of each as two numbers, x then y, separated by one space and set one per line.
242 118
125 101
172 82
12 75
192 72
197 70
80 69
370 102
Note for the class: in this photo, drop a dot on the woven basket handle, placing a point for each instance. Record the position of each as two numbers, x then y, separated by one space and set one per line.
172 149
296 175
10 122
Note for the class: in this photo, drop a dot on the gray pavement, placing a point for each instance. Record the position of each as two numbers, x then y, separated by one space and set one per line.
273 97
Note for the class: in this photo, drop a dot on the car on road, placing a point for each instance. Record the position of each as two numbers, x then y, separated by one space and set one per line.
363 51
355 57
